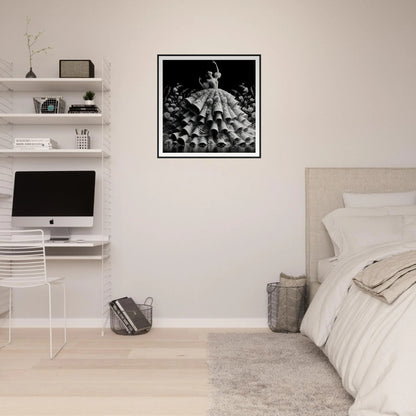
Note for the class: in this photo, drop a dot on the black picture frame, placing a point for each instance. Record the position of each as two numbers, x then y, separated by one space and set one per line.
209 106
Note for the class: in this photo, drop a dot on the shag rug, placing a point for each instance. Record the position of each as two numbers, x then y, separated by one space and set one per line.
272 374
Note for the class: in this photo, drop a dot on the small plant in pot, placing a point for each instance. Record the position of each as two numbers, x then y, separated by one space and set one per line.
89 98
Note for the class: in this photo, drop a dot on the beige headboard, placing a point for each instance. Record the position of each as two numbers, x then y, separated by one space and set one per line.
324 188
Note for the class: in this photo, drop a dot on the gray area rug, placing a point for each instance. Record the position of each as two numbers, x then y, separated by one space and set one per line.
272 374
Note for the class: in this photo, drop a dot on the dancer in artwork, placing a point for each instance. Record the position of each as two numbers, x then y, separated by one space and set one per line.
211 120
211 81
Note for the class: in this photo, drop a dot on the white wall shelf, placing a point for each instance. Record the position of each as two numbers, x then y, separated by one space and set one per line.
54 153
53 84
52 119
74 258
69 244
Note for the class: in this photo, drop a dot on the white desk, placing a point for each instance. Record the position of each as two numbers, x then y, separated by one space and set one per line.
75 250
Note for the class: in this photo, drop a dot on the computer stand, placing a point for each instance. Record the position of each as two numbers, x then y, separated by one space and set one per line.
60 234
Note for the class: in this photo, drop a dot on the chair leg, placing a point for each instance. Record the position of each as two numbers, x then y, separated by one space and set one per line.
52 354
9 319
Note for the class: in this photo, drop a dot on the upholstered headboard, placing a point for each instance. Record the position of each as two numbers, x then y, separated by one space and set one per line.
324 188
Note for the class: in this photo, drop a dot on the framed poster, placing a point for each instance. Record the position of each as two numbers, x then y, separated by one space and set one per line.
209 106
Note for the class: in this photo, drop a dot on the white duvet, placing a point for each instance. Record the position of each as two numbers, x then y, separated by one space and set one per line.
370 343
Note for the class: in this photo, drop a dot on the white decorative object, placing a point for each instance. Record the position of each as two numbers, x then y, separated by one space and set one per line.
83 141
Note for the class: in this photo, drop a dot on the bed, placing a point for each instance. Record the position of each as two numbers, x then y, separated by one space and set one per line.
371 344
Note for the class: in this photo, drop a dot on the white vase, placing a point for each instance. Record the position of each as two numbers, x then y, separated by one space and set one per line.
89 102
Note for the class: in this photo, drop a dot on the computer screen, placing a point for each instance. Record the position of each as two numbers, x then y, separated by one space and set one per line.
53 198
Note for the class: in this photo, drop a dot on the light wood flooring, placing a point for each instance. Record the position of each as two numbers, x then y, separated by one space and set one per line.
161 373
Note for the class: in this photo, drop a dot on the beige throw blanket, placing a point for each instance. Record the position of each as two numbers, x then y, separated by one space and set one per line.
389 278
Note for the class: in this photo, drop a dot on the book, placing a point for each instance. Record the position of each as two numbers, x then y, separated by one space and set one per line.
33 140
81 108
34 144
133 314
121 317
32 149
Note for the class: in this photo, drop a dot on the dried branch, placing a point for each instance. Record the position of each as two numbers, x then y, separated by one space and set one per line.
31 40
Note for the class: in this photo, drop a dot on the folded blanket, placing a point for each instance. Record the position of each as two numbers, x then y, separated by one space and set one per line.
389 278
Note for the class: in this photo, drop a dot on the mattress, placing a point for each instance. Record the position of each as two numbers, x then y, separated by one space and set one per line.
325 266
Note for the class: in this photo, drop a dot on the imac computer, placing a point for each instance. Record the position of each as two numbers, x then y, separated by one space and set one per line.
54 199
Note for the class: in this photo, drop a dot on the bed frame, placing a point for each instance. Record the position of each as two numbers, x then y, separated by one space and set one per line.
324 188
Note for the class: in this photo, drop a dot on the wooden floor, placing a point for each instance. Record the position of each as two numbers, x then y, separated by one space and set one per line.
161 373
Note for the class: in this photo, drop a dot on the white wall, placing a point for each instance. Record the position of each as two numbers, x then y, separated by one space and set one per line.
204 236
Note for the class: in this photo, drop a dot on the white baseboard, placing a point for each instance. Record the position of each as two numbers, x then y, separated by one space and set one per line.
157 323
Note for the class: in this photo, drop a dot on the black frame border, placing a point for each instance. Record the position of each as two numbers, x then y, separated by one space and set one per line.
158 106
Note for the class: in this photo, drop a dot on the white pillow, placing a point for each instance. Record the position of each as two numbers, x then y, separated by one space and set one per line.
356 233
335 225
389 199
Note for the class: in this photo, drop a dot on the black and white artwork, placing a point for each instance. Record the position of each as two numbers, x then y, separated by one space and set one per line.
209 106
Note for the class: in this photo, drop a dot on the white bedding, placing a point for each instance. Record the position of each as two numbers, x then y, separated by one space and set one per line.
325 266
371 344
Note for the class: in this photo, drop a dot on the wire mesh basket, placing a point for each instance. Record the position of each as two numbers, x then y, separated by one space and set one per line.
117 326
49 105
286 303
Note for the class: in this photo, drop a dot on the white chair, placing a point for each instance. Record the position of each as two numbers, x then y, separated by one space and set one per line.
23 265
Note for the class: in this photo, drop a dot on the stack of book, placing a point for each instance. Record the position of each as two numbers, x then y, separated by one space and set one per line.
82 108
130 316
33 144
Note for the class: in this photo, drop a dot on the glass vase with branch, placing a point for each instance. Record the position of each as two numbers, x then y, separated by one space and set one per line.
30 42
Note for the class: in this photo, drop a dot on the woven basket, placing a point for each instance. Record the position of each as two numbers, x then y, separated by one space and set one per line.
286 303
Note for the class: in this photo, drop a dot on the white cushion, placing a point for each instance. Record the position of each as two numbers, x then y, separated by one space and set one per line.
341 230
357 233
389 199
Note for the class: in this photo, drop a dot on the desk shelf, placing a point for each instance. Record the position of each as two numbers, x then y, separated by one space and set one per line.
75 244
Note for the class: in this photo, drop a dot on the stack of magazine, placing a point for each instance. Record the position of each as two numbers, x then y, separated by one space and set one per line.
33 144
129 314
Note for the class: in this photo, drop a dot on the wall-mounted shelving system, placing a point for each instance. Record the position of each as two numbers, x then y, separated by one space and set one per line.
92 247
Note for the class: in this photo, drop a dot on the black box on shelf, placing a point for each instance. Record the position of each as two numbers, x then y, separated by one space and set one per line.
76 68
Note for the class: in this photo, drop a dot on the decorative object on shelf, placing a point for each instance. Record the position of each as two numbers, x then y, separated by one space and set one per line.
30 41
49 105
209 106
89 98
76 68
29 144
82 140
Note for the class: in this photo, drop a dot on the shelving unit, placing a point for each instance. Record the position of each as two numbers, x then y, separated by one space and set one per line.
91 248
